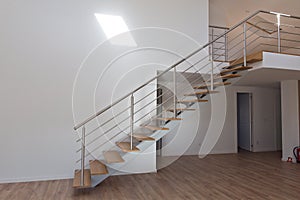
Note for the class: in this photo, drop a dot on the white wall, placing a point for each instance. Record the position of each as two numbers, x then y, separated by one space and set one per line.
266 116
290 117
43 44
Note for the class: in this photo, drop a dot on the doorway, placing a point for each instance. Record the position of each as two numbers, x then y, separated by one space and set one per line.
244 121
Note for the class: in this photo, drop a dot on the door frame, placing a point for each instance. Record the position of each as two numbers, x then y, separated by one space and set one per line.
251 118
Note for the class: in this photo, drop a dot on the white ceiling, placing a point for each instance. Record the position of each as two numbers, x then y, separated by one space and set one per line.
230 12
267 77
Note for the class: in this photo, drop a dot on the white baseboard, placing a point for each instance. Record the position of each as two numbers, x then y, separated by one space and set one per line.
34 179
264 148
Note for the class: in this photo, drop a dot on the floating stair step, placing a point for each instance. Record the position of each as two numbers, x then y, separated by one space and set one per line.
77 178
215 84
97 168
125 147
203 92
235 69
169 119
142 137
156 128
182 109
193 101
113 157
227 76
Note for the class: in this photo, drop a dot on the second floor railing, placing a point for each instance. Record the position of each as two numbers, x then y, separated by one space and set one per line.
218 48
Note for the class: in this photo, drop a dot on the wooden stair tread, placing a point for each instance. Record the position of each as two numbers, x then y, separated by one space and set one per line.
113 157
193 101
239 68
97 168
87 179
202 92
208 85
169 119
125 147
156 128
182 109
142 137
227 76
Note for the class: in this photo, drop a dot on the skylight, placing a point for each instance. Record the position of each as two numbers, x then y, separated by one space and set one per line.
113 26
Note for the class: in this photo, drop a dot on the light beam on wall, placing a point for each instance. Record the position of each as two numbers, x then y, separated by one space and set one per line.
112 26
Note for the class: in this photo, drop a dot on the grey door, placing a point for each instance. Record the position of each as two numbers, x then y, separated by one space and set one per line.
244 116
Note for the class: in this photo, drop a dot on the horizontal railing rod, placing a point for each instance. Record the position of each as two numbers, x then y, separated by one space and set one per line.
289 33
238 43
219 43
236 51
252 48
123 130
217 35
229 41
275 38
119 123
168 69
218 27
90 132
288 47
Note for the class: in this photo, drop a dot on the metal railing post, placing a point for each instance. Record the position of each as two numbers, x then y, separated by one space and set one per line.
212 70
212 44
226 48
131 119
175 92
82 156
278 33
245 44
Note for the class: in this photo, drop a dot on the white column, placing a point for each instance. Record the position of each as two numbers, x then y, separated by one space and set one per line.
290 117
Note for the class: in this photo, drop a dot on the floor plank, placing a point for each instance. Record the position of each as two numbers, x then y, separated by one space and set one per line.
230 176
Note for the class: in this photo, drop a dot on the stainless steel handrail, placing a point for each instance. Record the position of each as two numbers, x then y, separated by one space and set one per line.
168 69
177 63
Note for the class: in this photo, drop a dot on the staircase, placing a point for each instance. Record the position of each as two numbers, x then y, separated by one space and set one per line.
111 149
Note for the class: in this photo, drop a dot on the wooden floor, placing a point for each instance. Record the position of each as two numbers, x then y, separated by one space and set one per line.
233 176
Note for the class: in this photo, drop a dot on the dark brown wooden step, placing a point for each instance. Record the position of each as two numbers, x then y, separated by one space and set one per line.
97 168
77 178
209 85
125 147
